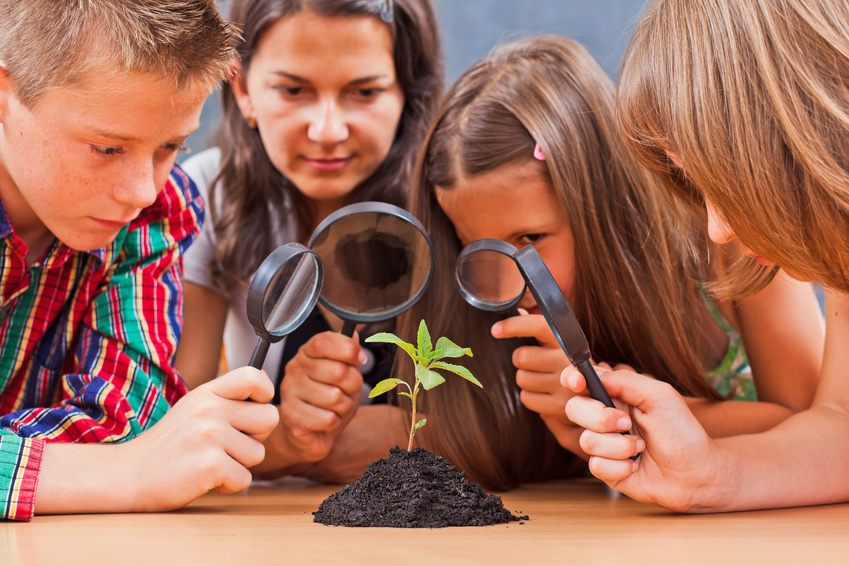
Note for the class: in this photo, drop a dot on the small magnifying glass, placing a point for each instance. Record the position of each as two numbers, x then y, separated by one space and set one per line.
282 294
378 262
487 277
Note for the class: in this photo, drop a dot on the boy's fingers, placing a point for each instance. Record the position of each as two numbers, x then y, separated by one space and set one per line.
243 383
255 419
333 346
612 446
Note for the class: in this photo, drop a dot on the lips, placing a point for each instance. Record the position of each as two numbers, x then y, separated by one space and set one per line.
112 224
328 164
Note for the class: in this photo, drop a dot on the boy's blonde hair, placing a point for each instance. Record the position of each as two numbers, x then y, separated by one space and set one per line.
58 43
745 103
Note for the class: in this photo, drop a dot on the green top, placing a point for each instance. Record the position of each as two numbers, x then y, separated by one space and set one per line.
732 378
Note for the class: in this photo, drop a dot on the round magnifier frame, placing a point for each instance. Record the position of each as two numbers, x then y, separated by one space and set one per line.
374 207
489 245
261 285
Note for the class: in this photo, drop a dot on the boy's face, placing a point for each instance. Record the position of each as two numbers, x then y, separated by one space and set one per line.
85 160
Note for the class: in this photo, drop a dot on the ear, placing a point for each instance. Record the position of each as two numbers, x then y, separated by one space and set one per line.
238 82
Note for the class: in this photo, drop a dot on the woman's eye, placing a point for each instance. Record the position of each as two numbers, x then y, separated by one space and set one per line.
290 91
368 92
106 151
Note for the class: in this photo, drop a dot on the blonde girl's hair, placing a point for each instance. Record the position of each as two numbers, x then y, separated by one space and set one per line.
251 189
636 280
59 43
745 104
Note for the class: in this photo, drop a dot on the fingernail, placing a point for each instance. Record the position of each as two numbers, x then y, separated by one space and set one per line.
641 445
624 423
362 357
496 330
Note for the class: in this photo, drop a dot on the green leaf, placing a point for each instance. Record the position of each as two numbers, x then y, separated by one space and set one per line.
449 349
384 386
429 379
425 345
405 394
459 370
421 423
389 338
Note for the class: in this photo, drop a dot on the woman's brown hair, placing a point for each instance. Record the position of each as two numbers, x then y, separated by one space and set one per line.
636 280
745 104
252 192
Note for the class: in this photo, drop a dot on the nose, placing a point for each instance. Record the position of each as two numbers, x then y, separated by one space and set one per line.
328 125
139 186
718 230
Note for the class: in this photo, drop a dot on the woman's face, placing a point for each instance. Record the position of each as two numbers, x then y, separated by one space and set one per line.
326 100
517 204
721 233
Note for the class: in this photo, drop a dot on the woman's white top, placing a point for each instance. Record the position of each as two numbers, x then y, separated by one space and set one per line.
239 336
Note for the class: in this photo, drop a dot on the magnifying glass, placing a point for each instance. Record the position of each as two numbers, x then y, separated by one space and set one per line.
282 294
487 277
378 262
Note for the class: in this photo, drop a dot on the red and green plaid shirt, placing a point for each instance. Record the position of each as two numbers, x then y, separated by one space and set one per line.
87 339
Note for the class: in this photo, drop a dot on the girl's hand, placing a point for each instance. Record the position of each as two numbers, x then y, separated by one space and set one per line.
319 395
538 374
677 458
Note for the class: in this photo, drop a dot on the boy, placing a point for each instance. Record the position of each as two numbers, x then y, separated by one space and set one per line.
96 99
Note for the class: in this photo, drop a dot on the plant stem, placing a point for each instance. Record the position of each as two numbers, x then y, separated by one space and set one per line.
413 424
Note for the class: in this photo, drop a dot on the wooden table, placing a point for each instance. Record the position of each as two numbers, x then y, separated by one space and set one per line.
571 522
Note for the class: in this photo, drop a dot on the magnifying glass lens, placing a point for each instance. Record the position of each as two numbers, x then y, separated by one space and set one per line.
490 277
290 292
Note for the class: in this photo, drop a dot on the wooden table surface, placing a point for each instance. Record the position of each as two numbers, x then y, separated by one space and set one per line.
571 522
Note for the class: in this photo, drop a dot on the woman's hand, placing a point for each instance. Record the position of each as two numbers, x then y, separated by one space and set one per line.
319 395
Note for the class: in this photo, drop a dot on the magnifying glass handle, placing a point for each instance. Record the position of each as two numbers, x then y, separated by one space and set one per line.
596 388
258 357
348 328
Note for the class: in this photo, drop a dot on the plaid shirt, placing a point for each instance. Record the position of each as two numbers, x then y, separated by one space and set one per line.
87 339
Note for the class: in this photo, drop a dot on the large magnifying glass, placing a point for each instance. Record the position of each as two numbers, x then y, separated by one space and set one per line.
487 277
378 262
282 294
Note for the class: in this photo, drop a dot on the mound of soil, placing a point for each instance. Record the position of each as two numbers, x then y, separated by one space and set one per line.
411 490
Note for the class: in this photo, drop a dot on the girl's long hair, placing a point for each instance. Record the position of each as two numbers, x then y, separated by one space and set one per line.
636 282
745 103
252 195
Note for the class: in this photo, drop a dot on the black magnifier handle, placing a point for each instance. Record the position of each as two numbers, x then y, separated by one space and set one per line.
594 386
258 357
348 328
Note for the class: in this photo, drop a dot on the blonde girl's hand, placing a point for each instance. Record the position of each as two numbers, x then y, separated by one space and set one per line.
677 461
319 395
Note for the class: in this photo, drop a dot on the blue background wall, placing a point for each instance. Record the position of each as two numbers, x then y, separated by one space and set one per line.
470 28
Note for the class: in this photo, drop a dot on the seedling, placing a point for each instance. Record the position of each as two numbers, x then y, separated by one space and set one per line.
426 359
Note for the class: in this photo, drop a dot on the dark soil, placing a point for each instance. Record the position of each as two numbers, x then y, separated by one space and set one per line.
412 489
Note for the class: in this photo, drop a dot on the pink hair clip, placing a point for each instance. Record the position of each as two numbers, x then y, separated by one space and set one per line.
538 152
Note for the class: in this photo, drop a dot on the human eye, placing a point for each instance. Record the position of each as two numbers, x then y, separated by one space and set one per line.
290 91
367 93
173 147
105 150
528 239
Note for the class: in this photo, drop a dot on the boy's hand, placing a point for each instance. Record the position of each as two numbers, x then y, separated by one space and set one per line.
677 457
538 374
208 440
318 396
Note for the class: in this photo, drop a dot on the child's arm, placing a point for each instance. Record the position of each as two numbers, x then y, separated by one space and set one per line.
204 316
206 441
802 461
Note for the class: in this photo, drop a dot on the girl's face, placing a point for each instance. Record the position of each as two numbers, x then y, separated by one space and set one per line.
721 233
517 204
326 100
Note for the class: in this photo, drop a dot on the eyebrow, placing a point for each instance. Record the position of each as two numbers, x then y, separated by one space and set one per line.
359 81
117 136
